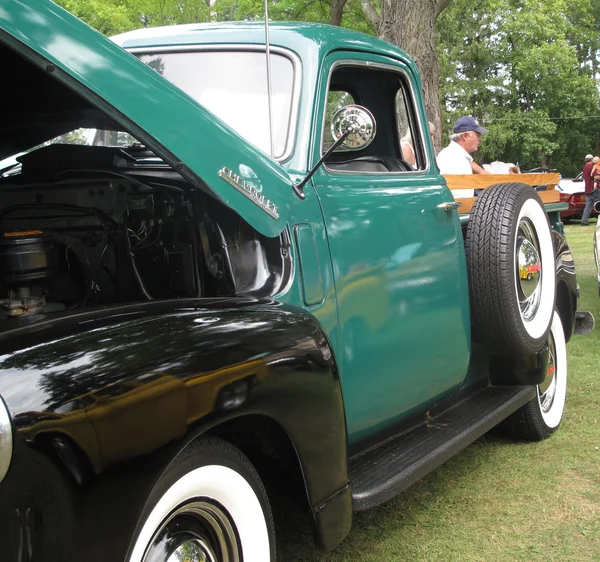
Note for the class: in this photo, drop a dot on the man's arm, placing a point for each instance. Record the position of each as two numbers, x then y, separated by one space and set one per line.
477 169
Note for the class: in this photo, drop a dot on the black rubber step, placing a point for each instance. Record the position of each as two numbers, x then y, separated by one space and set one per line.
380 473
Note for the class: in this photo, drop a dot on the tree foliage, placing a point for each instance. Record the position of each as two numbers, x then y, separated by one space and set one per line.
107 16
527 69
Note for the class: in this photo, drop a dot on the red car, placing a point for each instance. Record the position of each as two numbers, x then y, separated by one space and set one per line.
576 203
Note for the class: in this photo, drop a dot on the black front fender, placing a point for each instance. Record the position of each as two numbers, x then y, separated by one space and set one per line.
102 401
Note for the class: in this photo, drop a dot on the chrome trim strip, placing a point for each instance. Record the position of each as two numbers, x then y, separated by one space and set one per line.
398 70
297 72
249 191
6 440
268 57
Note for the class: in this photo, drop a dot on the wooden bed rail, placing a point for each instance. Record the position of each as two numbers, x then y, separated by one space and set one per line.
463 186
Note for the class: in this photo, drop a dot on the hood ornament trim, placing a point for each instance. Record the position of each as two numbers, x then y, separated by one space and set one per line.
249 191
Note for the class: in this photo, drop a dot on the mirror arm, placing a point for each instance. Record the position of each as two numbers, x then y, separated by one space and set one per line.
299 187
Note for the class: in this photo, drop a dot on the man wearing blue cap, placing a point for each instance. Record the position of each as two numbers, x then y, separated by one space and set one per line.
456 157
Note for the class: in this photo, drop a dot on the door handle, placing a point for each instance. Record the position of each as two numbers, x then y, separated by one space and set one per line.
448 206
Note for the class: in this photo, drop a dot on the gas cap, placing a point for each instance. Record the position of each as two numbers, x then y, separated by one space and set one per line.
6 440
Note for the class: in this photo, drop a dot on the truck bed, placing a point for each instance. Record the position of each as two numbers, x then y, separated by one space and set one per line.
465 188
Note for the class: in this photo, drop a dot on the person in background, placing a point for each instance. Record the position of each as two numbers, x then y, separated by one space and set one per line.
408 149
456 157
596 168
591 194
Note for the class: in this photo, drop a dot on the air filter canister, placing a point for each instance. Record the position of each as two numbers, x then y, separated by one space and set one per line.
26 256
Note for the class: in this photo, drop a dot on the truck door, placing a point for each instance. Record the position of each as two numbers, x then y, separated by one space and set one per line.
398 259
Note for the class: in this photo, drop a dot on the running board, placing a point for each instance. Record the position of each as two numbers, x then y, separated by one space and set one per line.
380 473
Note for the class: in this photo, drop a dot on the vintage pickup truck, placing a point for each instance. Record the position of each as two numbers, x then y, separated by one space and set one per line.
193 308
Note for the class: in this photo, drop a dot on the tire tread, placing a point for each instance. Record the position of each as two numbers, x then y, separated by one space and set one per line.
490 265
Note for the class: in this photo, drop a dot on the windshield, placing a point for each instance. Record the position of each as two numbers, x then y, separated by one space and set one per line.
233 86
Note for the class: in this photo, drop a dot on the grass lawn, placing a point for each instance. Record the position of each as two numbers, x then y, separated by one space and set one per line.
499 500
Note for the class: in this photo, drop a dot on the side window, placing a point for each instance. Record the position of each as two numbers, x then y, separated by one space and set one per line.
397 146
411 145
336 99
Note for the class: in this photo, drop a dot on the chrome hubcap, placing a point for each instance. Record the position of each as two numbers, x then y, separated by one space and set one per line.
528 270
200 531
547 390
192 551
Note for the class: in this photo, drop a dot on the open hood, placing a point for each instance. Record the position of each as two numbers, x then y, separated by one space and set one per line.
61 75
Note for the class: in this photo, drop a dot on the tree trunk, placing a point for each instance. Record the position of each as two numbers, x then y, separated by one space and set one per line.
411 25
336 9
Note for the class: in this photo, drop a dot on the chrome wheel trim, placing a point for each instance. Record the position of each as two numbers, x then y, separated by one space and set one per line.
547 390
527 255
222 486
200 531
535 311
6 440
552 393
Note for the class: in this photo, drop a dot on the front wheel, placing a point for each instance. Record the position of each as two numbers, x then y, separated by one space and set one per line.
210 505
541 416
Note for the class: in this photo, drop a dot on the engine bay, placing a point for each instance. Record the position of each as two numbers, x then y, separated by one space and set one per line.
85 226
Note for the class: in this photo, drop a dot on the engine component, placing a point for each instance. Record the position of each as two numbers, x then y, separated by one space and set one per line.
26 257
181 270
22 303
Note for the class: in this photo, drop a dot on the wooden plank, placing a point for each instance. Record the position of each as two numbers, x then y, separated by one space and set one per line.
481 181
466 205
550 196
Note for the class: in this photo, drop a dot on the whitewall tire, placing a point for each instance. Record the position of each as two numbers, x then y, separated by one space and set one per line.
542 415
512 270
210 505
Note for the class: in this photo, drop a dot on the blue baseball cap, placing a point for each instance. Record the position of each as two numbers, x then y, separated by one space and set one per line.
468 123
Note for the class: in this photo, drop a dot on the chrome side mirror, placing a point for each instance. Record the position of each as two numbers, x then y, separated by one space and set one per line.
352 127
357 119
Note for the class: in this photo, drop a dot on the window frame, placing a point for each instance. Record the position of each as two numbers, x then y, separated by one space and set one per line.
414 115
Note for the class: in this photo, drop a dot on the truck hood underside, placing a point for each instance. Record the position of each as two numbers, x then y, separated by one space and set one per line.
62 75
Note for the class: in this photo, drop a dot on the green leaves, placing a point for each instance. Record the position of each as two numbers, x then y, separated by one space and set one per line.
107 16
526 68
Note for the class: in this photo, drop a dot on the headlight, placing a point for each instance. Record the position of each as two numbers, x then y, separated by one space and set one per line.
6 441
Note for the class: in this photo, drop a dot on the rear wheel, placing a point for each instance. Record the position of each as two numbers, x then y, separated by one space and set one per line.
210 506
541 416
